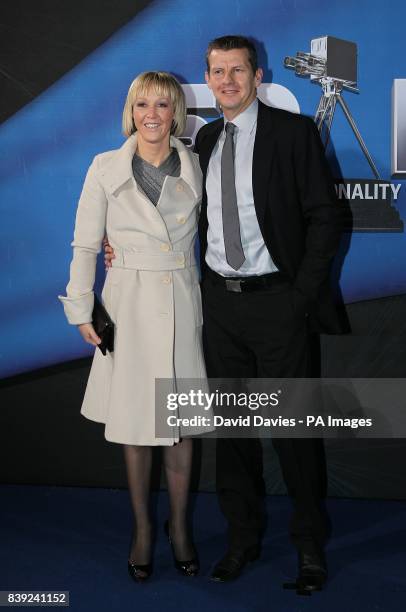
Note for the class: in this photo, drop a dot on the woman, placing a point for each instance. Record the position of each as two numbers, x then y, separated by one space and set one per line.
145 196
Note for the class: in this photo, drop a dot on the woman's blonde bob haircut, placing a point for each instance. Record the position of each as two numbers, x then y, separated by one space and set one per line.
162 84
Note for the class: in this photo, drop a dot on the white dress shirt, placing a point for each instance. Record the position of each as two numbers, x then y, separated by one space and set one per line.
257 258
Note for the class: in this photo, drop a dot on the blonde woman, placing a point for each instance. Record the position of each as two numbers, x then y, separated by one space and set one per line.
145 197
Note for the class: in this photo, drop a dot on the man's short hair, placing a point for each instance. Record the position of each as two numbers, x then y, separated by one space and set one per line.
162 84
227 43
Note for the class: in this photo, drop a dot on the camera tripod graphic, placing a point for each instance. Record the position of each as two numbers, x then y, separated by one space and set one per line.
333 64
325 113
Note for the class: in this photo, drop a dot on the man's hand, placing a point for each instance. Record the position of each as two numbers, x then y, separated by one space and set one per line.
88 334
108 253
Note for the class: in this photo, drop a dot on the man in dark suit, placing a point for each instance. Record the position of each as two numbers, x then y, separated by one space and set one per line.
269 228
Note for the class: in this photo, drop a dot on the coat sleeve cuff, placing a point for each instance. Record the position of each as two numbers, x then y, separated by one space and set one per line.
78 310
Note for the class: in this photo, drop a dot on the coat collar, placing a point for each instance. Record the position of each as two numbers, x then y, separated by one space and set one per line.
188 171
119 170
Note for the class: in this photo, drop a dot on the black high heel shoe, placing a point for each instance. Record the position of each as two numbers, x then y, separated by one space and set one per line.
187 568
139 573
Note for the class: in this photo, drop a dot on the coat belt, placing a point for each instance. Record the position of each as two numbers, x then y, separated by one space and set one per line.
172 260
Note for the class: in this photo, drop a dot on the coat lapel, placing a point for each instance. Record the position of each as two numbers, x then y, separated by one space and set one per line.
119 169
264 149
117 172
188 172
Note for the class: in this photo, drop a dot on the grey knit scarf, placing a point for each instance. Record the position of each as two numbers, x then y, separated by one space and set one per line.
151 179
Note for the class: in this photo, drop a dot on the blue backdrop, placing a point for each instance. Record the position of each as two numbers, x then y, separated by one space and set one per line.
47 146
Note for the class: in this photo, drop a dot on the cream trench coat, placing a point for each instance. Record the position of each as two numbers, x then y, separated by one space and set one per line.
152 291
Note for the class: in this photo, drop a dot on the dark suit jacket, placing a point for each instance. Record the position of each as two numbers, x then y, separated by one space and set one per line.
298 212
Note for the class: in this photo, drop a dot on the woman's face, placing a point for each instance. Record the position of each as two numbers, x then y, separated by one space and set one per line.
153 116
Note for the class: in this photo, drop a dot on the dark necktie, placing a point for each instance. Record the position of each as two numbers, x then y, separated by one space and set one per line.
231 223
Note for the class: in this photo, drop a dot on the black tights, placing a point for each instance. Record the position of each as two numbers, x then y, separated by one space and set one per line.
177 462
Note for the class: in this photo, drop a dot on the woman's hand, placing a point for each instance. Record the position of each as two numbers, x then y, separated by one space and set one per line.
108 253
88 334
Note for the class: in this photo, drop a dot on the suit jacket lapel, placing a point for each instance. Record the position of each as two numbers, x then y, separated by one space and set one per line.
264 149
208 146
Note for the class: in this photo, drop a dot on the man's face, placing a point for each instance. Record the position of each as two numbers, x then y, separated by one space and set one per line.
232 81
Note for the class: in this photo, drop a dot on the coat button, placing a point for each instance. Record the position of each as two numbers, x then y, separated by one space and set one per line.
165 247
180 260
181 220
166 280
179 187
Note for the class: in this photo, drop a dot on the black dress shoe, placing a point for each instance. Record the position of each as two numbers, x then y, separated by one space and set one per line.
312 573
232 564
187 568
138 572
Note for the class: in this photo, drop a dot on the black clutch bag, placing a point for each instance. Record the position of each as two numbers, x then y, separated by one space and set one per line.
103 326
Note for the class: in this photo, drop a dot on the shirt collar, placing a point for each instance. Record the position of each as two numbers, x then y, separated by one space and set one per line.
246 120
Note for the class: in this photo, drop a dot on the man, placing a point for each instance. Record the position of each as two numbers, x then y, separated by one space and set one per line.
269 227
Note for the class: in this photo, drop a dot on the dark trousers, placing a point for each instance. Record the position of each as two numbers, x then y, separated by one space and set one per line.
260 334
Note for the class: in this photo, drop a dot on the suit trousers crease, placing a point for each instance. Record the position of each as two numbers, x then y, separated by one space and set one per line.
262 334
